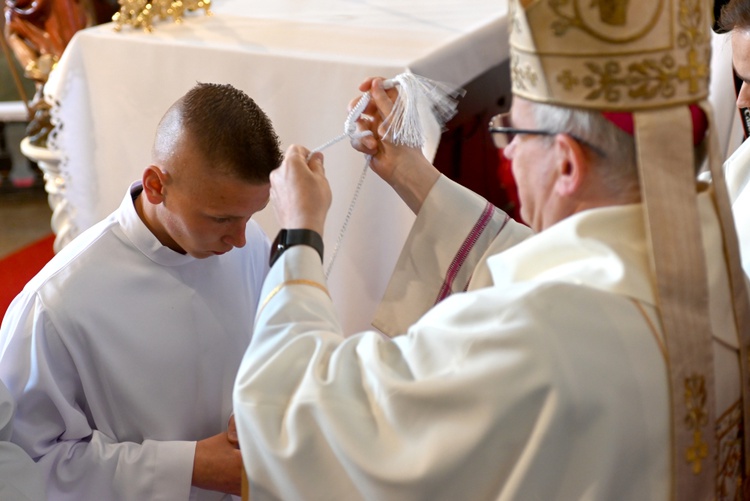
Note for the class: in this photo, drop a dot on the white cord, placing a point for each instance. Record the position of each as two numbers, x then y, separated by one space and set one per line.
405 129
348 216
350 124
350 131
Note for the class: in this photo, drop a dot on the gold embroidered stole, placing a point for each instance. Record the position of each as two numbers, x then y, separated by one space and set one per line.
673 230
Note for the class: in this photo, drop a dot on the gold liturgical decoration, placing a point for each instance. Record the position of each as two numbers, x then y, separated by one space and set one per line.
612 13
610 54
695 400
650 77
143 13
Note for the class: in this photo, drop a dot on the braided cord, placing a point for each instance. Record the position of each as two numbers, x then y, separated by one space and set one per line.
350 131
415 95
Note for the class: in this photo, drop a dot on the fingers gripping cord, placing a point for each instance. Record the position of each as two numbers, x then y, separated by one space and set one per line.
417 95
350 125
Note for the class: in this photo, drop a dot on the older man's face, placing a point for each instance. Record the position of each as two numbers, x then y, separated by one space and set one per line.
741 62
532 162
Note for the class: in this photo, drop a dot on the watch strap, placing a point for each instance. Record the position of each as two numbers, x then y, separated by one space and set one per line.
287 238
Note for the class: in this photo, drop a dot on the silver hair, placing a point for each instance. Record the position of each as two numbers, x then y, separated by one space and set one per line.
618 164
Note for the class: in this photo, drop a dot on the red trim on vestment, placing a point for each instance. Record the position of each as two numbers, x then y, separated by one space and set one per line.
464 250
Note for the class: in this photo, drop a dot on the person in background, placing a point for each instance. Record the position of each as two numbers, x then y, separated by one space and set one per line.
595 355
121 353
735 18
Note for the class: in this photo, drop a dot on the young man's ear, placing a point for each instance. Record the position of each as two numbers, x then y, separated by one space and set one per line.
572 165
154 181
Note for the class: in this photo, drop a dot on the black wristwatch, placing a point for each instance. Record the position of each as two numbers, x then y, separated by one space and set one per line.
290 238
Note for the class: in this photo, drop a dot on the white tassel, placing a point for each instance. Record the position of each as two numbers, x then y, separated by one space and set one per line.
419 99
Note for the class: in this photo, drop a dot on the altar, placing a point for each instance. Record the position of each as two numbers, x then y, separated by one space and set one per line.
302 62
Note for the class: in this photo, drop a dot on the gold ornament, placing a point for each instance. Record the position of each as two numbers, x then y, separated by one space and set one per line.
611 54
143 13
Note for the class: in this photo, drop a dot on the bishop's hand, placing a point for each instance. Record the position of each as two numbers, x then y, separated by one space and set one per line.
405 168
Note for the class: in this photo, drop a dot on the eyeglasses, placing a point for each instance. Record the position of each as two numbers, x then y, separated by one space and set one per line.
502 133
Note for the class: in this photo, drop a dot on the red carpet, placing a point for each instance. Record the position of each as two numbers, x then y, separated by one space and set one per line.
19 267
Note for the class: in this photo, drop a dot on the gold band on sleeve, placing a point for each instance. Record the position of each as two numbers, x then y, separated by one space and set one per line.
299 281
245 487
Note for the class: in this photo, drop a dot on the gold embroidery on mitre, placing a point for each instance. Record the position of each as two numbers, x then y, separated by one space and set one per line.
614 12
514 19
610 13
523 75
696 418
651 78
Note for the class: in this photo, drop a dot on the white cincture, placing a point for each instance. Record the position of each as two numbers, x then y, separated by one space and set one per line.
419 98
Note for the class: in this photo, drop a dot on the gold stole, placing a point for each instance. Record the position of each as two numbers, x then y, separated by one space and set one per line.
665 162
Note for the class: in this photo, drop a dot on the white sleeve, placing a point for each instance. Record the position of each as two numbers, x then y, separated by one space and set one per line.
57 428
20 478
484 396
323 416
445 252
737 171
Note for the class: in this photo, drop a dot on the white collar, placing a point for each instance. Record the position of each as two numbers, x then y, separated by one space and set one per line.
603 248
141 237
